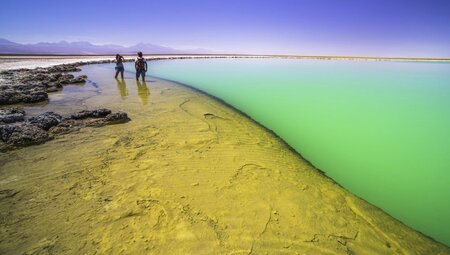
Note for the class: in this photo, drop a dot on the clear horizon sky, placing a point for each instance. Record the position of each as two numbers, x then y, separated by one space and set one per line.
399 28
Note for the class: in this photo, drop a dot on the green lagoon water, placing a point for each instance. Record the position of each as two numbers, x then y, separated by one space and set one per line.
381 129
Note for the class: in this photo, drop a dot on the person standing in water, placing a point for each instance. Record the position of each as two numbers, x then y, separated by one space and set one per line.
141 66
119 65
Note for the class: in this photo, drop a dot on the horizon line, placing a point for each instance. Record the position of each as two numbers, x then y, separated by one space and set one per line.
250 55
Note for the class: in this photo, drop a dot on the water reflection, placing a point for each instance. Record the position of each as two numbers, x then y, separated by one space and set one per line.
143 91
122 86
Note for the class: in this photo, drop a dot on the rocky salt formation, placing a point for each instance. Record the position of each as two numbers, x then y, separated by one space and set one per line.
18 131
32 85
11 115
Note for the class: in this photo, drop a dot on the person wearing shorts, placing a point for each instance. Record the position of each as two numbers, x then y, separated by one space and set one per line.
119 66
141 66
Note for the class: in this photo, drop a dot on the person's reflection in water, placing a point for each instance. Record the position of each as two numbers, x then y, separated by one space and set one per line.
143 91
122 86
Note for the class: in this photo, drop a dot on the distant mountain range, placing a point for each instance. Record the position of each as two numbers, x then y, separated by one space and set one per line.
64 47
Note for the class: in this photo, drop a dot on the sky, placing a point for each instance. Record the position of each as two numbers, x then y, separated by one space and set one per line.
397 28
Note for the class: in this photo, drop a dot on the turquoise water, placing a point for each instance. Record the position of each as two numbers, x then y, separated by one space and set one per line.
380 129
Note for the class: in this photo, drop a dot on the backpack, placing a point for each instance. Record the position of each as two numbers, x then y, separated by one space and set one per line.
140 64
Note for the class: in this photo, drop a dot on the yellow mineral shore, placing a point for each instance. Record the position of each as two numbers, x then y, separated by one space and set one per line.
188 175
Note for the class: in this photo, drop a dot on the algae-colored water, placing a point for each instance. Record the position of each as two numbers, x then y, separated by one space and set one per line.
380 129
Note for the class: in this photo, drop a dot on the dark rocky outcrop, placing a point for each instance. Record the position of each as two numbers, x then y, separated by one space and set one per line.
32 85
116 118
46 120
11 115
22 134
17 131
35 96
67 126
95 118
99 113
11 94
79 79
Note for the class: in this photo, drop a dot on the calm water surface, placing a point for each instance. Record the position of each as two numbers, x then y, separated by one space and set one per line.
380 129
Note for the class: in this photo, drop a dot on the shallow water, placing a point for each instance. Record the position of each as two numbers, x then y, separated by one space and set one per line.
380 129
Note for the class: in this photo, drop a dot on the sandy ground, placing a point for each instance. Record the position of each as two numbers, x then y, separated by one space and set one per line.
15 62
188 175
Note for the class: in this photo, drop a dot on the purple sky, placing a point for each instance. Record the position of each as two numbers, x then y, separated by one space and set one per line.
306 27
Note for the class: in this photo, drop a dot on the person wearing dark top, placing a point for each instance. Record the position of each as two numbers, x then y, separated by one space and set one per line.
141 66
119 65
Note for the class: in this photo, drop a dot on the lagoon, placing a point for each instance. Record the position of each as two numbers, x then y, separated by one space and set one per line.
378 128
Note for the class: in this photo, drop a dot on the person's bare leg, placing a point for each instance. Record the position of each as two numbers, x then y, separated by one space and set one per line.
121 74
117 73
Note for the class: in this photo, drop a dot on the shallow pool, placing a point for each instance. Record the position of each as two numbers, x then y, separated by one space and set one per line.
379 128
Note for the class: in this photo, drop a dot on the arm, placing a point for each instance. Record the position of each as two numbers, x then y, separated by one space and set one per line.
145 66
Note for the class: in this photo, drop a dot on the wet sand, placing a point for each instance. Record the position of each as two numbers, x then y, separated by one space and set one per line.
187 175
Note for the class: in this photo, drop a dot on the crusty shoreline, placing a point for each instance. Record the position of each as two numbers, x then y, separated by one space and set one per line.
30 86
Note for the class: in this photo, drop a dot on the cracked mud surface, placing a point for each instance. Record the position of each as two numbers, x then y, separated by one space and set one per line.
188 175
